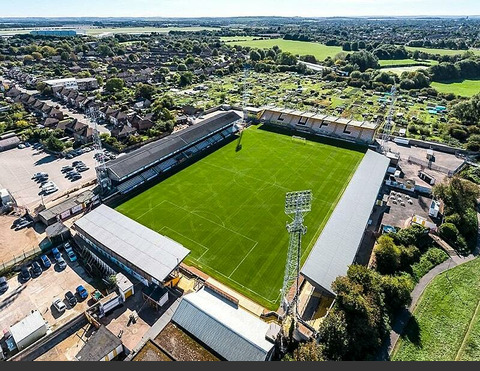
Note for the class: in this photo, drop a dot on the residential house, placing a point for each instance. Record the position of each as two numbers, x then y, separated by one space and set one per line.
122 132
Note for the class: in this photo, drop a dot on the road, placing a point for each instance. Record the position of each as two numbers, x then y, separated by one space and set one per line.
313 66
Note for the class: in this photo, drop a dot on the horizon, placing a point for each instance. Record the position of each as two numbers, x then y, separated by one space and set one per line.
185 9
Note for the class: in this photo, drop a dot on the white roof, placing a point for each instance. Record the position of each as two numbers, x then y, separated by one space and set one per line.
339 241
27 326
148 250
230 331
60 81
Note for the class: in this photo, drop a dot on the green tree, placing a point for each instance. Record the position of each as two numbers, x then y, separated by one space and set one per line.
185 79
145 91
54 144
114 85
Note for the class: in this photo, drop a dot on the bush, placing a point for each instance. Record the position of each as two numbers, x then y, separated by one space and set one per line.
430 259
449 232
387 255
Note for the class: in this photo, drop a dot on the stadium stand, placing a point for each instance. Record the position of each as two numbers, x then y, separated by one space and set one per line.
331 126
143 164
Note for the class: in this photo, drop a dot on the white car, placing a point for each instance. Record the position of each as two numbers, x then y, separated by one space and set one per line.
50 190
59 305
48 186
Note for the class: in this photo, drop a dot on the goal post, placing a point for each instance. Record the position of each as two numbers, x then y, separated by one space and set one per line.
298 139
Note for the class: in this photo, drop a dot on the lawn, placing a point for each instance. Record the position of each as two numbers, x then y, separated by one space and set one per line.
465 88
446 322
320 51
227 208
440 51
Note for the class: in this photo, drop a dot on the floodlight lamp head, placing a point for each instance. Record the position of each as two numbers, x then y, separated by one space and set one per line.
300 201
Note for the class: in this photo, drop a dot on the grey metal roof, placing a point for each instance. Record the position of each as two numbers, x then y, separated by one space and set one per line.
9 142
232 332
100 344
68 204
152 153
27 326
151 252
339 241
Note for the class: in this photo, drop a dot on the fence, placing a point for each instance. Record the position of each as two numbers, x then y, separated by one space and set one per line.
6 265
430 165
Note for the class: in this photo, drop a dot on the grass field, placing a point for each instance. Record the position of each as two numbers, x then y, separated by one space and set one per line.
446 324
140 30
320 51
465 88
440 51
403 62
227 208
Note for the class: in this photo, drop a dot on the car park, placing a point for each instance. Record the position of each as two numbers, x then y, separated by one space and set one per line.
59 305
56 254
45 261
36 269
72 300
82 292
25 274
4 286
62 264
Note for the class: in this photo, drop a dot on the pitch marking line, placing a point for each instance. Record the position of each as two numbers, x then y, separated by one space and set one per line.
239 264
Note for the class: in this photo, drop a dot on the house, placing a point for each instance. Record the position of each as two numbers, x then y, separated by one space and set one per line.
139 123
123 132
50 122
84 135
88 83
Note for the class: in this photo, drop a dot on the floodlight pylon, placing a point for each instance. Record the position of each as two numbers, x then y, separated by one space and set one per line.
296 204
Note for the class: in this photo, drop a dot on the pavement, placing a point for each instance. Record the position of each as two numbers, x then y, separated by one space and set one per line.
19 165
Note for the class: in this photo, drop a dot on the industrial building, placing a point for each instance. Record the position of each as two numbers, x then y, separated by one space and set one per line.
324 125
28 330
230 331
139 166
337 246
146 255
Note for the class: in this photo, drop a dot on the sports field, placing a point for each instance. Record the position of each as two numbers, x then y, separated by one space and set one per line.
227 208
464 88
320 51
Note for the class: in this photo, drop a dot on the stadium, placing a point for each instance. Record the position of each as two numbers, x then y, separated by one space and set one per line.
218 188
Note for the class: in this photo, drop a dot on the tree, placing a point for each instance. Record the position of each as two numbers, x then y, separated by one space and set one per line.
145 91
114 84
334 335
387 255
363 59
255 55
287 59
308 352
182 67
54 144
65 56
185 79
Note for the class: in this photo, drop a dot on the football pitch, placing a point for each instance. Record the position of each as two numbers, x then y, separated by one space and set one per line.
228 207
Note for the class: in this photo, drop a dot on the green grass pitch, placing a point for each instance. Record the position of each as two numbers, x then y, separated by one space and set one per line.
227 208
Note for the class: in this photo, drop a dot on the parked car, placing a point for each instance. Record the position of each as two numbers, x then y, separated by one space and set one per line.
77 163
59 305
4 286
25 274
27 144
71 255
76 177
56 254
82 292
50 190
72 300
62 264
45 261
39 175
66 169
21 146
24 224
16 222
83 168
36 269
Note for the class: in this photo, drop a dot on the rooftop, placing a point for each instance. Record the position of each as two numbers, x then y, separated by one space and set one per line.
99 345
335 249
151 252
230 331
152 153
27 326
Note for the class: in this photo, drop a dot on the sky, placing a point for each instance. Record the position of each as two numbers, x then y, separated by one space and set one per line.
228 8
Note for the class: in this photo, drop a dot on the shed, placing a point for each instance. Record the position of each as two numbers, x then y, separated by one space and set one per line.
28 330
57 233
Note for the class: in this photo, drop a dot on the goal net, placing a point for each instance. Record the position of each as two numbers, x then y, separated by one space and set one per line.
298 139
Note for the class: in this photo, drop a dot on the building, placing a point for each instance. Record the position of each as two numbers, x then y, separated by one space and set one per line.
28 330
9 143
230 331
68 82
141 252
139 166
101 346
343 234
324 125
55 33
68 208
